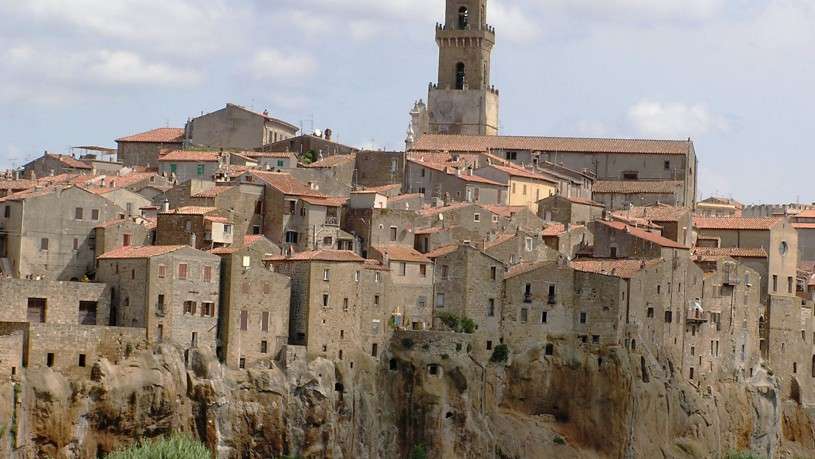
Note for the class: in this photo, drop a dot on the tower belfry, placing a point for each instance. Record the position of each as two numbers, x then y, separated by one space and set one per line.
463 101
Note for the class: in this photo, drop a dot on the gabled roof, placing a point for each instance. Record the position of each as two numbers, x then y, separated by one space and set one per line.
453 172
190 155
499 239
624 269
402 253
191 210
514 171
340 256
466 143
442 251
555 229
325 201
658 213
69 161
504 211
332 161
212 192
140 252
636 187
735 223
644 235
160 135
284 183
573 200
526 267
265 116
733 252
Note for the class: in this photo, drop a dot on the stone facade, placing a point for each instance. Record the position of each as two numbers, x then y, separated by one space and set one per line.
564 210
237 127
437 182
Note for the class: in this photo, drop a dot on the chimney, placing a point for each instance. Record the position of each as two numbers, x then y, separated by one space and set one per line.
327 134
102 182
193 238
165 206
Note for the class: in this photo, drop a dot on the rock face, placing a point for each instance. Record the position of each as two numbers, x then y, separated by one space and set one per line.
580 405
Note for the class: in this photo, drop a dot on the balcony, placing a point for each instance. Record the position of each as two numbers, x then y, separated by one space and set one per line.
696 315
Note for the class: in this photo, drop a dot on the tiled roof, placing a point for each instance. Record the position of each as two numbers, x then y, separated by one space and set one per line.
555 229
285 183
442 251
430 211
433 230
192 210
624 269
513 171
524 268
635 221
402 253
734 252
803 225
403 197
212 192
252 239
160 135
332 161
659 213
140 252
70 161
806 213
583 201
463 143
214 219
500 239
268 154
634 187
325 201
503 211
735 223
644 235
190 155
453 172
341 256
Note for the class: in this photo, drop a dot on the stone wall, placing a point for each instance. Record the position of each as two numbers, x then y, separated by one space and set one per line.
62 300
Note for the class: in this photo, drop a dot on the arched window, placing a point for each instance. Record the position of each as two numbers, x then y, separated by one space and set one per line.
460 75
463 18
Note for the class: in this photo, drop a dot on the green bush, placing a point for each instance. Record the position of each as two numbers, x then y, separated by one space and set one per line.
458 324
559 440
500 354
175 447
419 452
741 455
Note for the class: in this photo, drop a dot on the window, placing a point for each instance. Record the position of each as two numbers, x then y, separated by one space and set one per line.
529 244
789 284
160 304
376 300
291 237
460 76
44 244
194 339
489 345
208 309
280 163
477 217
584 317
49 359
345 305
668 316
377 277
493 273
189 307
495 219
528 293
160 332
374 350
423 270
87 312
491 307
7 212
552 297
82 360
207 273
325 300
36 310
162 271
631 175
244 320
650 313
356 276
182 271
326 274
463 18
264 347
242 362
76 244
421 302
512 156
255 229
402 268
173 168
199 170
524 314
445 272
524 193
667 165
79 213
775 283
544 317
440 300
393 233
126 239
264 321
292 207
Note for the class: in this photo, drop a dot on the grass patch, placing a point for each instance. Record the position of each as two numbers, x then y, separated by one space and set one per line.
174 447
419 452
741 455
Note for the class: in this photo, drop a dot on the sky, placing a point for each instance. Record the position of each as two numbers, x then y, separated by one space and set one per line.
737 76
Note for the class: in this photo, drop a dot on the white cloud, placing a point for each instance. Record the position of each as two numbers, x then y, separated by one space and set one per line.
126 68
639 10
277 65
364 29
675 120
512 22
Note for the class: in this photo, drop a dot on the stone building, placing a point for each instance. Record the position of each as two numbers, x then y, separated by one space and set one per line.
675 223
517 247
524 187
201 227
661 170
184 165
122 232
623 194
49 232
788 331
254 320
410 288
243 202
377 226
321 146
568 240
719 207
143 149
804 224
236 127
775 236
341 168
272 160
171 291
574 211
462 101
438 181
378 168
50 164
469 283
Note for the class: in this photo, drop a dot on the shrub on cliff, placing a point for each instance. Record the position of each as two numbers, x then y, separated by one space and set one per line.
500 354
458 324
175 447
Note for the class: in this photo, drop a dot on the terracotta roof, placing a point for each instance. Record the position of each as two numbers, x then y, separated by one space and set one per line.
735 223
70 161
500 239
285 183
214 219
624 269
583 201
430 211
513 171
555 229
806 213
635 221
659 213
503 211
325 201
403 197
803 225
442 251
332 161
140 252
252 239
160 135
191 210
375 265
433 230
21 184
645 235
463 143
268 154
341 256
190 155
526 267
634 187
453 172
402 253
212 192
223 250
734 252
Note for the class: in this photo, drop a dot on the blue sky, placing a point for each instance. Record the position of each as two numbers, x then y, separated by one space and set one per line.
735 75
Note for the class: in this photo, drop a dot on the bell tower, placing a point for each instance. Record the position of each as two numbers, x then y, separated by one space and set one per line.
463 101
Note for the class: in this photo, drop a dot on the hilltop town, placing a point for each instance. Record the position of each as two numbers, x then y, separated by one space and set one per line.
240 239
